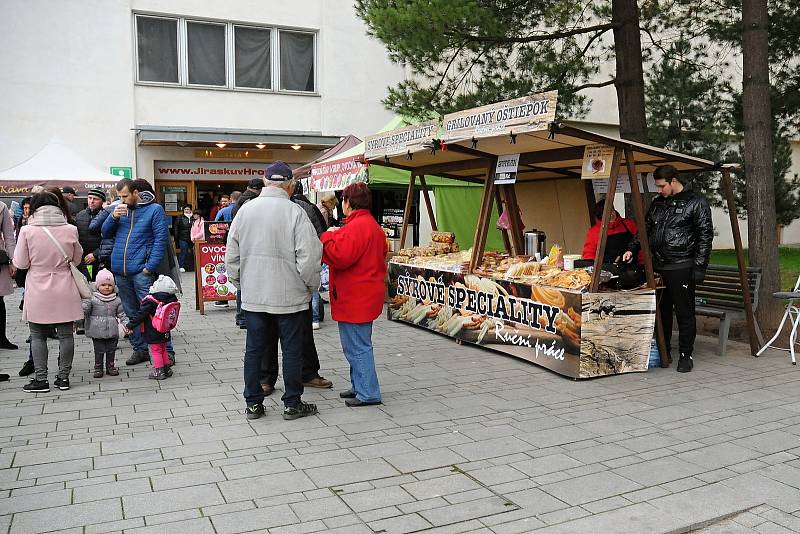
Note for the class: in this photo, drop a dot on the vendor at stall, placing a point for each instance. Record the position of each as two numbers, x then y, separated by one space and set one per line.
620 232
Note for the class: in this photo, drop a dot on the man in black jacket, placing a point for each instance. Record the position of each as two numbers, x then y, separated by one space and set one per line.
680 231
253 190
90 239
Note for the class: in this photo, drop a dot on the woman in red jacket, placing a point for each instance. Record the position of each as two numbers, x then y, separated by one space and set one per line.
620 233
356 256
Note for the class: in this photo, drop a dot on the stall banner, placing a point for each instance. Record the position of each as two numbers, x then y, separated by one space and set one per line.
400 141
23 188
211 274
521 115
506 170
597 161
575 334
600 187
337 174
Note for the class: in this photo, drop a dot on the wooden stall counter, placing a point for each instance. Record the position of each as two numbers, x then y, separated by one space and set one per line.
571 332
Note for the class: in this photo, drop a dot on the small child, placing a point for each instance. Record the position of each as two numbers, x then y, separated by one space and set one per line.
103 314
162 291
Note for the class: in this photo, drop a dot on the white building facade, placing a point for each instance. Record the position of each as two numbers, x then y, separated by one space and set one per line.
168 86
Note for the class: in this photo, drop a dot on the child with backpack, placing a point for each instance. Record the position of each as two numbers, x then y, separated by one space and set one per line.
103 315
157 316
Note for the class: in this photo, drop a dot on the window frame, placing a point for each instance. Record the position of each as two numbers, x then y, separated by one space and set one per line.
272 86
230 51
184 58
278 62
177 21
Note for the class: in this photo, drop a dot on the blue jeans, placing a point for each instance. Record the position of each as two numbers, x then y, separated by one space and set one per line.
185 247
239 312
132 289
315 307
290 331
357 347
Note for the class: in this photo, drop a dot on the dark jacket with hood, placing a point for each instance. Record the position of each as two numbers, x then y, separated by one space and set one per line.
106 243
140 238
313 213
182 228
680 232
89 238
144 318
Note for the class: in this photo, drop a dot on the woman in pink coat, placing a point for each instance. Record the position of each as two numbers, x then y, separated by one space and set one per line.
51 296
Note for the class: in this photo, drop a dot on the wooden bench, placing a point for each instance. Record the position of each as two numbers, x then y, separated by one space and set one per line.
720 296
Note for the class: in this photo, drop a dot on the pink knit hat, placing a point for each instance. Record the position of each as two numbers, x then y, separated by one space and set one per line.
104 277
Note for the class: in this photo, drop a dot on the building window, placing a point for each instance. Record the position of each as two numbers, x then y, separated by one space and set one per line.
177 51
205 51
157 49
297 61
252 53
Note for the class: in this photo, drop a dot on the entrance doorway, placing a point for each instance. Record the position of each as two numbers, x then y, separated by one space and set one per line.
207 194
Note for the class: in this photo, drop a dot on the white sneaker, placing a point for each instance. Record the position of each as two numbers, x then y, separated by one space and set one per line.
315 326
183 270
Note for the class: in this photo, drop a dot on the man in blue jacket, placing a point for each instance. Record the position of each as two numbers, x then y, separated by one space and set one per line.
139 229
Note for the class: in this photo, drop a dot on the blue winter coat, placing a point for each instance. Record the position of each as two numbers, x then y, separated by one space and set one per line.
140 238
106 243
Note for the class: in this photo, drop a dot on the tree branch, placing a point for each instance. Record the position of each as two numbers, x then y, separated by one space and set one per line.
606 83
533 38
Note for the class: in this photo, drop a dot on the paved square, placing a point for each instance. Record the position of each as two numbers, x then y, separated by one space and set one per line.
467 441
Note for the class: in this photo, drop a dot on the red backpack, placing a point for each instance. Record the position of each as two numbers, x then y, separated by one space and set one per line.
165 317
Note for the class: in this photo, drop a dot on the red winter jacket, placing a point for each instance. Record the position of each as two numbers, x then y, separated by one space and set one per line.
356 257
618 226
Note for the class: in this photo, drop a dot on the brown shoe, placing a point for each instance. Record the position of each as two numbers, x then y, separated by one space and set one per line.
318 382
267 389
98 372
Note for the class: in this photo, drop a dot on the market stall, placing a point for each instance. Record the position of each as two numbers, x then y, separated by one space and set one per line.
541 309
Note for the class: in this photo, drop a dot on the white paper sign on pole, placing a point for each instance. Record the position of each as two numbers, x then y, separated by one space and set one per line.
624 185
506 170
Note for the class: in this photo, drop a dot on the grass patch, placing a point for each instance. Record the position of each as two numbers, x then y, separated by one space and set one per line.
789 259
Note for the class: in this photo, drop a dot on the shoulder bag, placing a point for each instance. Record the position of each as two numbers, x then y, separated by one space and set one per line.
84 289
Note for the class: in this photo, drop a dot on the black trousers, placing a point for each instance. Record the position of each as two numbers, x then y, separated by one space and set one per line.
269 360
678 295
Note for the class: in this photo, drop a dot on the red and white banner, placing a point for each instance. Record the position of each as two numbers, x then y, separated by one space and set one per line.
337 174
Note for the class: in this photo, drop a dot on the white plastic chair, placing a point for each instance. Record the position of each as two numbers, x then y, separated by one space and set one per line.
793 314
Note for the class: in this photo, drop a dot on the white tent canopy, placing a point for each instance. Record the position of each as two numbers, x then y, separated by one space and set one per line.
54 165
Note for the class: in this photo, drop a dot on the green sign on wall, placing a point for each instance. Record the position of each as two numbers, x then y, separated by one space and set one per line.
122 172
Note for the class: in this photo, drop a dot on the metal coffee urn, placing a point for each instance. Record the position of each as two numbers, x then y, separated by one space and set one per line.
535 243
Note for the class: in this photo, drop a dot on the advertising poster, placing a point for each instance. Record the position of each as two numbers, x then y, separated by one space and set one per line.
217 232
400 141
506 170
597 161
212 278
579 335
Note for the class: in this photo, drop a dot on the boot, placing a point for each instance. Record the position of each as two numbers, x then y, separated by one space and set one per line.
98 365
4 342
685 363
111 369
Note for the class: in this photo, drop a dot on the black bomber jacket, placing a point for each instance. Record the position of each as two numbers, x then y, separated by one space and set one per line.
680 231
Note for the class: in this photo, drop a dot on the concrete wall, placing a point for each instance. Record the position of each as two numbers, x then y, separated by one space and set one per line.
67 69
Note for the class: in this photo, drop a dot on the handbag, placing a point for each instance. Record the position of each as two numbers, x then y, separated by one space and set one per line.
84 289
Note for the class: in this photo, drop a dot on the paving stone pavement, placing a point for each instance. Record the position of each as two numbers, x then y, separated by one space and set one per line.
467 441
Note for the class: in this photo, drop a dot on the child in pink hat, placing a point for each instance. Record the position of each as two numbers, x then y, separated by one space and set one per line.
103 317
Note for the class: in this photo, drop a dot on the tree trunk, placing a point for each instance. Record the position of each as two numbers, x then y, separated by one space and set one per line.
629 75
761 233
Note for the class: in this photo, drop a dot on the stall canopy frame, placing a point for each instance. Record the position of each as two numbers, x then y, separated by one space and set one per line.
557 153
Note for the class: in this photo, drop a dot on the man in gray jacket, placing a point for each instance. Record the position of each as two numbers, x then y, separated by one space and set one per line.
274 257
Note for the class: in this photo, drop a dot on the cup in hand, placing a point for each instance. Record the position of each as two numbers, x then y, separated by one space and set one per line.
120 211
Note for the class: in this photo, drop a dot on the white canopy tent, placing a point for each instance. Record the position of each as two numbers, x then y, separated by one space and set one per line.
54 165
